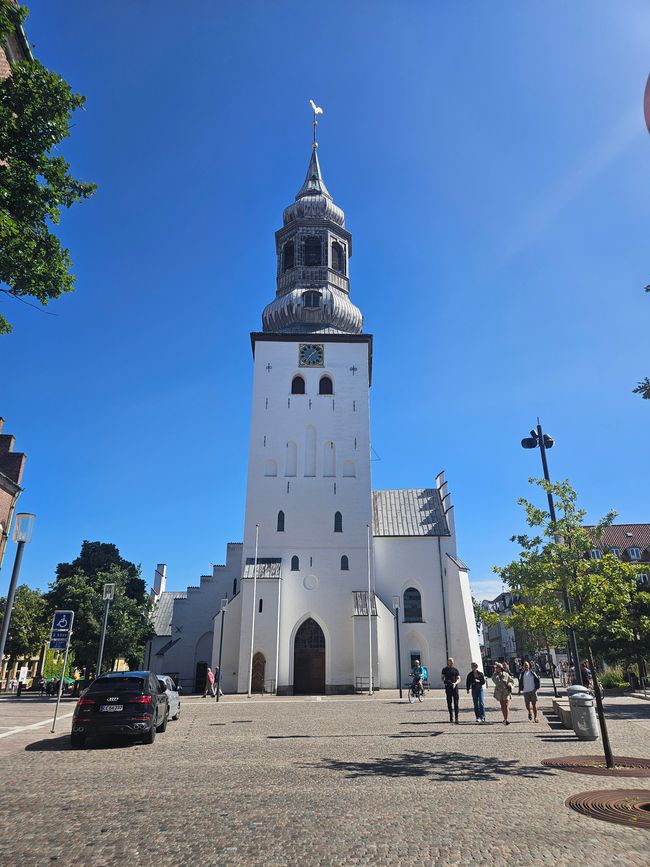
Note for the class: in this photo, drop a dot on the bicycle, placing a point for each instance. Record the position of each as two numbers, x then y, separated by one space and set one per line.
416 691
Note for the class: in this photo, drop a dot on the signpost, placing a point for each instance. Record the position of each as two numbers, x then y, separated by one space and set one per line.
109 593
59 640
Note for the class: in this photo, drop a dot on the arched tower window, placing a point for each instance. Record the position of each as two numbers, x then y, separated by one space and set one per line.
313 251
345 563
325 386
412 605
289 252
280 527
338 258
338 522
311 300
297 385
295 563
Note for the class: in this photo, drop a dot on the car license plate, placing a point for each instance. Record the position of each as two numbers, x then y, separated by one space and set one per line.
110 707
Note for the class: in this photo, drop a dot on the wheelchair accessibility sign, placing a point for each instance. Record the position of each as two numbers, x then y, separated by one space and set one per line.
61 629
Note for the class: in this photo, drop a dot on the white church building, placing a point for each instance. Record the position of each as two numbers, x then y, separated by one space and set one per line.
292 599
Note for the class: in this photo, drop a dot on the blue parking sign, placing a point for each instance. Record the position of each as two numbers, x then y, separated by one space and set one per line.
61 629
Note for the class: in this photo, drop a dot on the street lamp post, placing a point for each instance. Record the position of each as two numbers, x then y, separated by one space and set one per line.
109 593
399 656
224 605
23 528
538 439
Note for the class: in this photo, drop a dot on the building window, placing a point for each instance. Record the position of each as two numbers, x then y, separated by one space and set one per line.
345 563
313 252
260 607
289 255
643 579
615 551
280 527
412 605
595 554
295 564
338 258
297 385
338 522
325 386
311 300
415 657
234 587
634 553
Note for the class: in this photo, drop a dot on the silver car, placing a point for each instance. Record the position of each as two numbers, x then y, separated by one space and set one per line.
173 697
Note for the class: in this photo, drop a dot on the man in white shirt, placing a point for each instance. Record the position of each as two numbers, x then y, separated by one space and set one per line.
529 684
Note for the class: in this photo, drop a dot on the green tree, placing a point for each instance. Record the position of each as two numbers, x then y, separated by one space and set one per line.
28 626
35 110
79 585
55 669
557 561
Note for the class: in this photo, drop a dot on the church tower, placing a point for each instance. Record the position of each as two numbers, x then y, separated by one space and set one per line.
308 495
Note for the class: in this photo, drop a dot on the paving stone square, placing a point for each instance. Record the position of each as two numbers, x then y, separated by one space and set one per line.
328 781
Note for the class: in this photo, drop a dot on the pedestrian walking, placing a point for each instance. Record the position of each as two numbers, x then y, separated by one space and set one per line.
209 684
529 684
585 674
451 679
475 682
503 682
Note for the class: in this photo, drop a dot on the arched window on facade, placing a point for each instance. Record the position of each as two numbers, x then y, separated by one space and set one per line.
289 256
338 522
338 258
295 563
313 252
280 527
412 605
345 563
297 385
311 300
260 606
325 386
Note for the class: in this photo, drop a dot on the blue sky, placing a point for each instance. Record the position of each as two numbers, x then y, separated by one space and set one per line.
494 167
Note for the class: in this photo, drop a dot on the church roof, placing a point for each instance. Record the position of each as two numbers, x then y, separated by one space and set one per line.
410 512
162 614
314 183
267 567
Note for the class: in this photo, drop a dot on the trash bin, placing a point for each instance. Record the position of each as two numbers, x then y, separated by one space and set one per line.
575 689
583 716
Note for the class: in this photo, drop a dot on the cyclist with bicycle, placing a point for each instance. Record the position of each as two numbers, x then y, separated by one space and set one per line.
417 673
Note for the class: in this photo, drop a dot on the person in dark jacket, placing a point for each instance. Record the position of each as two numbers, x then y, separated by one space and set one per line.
476 682
451 679
529 684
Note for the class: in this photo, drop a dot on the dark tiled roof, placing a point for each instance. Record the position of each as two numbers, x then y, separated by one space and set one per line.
162 613
414 512
267 567
625 536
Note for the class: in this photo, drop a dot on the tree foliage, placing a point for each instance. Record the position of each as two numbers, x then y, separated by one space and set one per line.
28 627
79 585
36 106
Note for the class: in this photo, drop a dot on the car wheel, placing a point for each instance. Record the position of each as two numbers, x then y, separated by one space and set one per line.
163 725
150 736
77 741
178 712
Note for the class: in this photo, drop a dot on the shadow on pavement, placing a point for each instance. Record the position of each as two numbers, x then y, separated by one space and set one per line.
639 710
450 767
557 738
62 744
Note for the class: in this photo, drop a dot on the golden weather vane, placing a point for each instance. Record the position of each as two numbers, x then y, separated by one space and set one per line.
317 110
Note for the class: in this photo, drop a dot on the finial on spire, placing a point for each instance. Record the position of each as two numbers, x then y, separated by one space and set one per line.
317 110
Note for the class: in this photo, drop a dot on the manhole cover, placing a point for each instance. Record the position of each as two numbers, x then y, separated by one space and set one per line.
623 806
624 766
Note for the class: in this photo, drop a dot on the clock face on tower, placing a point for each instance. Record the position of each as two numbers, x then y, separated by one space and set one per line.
311 355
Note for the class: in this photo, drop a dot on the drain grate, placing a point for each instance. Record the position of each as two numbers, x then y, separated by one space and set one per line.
624 766
629 807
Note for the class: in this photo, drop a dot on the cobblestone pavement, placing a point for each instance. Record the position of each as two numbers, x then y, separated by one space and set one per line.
317 782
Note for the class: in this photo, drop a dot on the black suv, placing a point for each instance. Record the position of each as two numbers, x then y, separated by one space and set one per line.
121 703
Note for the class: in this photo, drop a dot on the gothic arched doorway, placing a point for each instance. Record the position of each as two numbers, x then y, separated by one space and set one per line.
259 668
309 659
